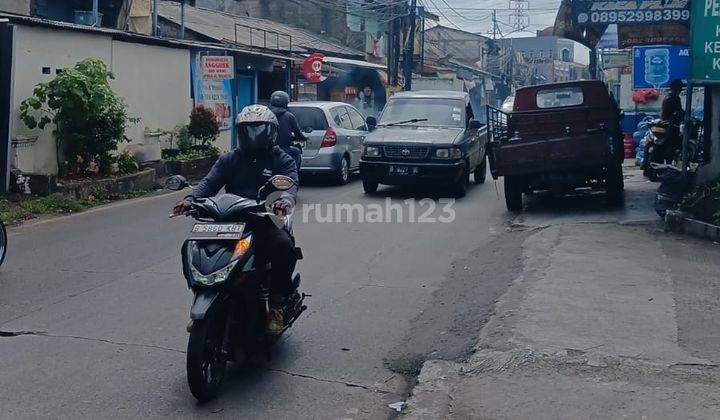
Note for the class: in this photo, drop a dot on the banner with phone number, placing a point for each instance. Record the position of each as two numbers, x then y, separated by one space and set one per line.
639 12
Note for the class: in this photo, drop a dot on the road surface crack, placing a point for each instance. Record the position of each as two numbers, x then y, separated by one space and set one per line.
76 337
19 333
333 381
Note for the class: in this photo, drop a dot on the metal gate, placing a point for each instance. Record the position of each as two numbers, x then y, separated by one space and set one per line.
6 67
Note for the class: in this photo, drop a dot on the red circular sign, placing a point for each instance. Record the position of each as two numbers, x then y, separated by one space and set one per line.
312 67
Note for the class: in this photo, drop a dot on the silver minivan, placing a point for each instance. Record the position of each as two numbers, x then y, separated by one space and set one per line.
335 132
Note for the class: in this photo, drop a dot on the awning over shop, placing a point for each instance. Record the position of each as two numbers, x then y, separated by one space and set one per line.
356 63
639 22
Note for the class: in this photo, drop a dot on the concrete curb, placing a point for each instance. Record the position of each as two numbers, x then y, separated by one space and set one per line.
143 180
681 222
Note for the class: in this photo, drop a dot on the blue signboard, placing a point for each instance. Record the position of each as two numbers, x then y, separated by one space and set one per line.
654 67
648 12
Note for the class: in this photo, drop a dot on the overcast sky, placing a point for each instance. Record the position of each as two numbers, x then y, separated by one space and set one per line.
476 16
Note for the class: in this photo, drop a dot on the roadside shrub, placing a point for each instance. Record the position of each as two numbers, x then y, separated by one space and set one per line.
90 119
126 163
703 202
208 151
204 127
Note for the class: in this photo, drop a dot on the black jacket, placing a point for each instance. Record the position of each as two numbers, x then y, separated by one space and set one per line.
672 109
242 175
288 128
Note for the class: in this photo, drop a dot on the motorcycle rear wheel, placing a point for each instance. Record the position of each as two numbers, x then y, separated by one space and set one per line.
205 361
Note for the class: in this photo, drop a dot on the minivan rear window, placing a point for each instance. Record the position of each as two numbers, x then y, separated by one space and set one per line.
309 117
560 97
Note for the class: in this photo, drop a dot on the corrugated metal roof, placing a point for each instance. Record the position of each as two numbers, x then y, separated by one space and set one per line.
133 37
253 32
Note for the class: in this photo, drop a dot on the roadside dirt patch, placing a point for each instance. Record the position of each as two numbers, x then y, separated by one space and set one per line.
449 326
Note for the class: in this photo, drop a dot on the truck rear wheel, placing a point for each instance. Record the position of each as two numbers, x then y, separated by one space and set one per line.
481 171
514 187
615 184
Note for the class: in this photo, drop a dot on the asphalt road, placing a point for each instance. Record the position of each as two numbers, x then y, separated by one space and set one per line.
96 306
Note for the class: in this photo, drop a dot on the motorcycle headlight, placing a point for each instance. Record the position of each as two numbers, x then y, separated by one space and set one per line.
213 278
371 151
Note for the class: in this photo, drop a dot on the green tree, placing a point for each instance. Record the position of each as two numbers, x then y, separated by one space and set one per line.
204 126
90 119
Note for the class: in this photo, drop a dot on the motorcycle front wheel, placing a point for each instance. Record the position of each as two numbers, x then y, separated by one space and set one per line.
3 242
205 360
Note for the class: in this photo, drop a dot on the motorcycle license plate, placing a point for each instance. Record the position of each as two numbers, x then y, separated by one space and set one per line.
402 170
217 231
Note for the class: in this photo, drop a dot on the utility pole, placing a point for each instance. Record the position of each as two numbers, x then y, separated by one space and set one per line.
95 13
519 17
409 58
494 18
182 19
155 18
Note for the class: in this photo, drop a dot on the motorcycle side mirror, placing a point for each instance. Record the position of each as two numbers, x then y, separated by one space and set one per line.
176 183
282 182
276 183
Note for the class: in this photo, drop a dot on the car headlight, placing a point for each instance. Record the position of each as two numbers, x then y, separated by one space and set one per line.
370 151
448 153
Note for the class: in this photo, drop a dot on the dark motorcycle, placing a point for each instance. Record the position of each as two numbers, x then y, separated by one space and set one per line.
661 145
231 306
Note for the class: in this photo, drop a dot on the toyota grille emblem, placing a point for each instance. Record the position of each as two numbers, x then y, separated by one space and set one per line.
405 152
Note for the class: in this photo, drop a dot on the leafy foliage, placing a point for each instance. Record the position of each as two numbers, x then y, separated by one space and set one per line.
704 202
127 164
195 153
54 204
90 119
204 126
184 139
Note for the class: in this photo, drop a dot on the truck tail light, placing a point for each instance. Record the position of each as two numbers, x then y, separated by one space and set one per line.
330 138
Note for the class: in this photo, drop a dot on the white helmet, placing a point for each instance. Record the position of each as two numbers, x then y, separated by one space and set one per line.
257 128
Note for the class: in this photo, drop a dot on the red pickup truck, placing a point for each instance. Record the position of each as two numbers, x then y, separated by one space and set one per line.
558 137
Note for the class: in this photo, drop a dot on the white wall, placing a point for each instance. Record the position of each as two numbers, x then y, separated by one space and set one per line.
154 82
21 7
36 48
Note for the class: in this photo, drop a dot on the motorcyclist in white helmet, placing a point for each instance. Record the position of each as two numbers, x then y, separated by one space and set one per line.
242 172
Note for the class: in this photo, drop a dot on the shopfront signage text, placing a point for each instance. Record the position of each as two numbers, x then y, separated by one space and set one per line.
705 42
218 67
592 12
312 68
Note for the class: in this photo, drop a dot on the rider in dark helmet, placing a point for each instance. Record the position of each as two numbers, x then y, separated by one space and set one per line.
288 129
673 112
242 172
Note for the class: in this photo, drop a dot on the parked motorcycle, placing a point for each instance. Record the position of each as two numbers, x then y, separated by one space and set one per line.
231 307
660 145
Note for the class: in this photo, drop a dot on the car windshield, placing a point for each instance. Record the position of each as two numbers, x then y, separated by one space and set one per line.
309 117
432 112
